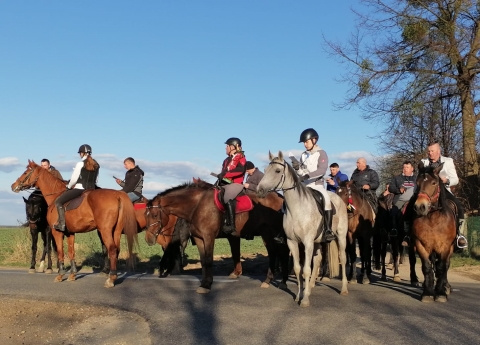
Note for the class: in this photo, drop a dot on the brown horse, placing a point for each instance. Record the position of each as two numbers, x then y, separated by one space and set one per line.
108 211
360 226
433 232
195 203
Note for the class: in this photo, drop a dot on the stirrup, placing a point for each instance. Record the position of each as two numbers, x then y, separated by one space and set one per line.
406 241
459 238
329 236
59 227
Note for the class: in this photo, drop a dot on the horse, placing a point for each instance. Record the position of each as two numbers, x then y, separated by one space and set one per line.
303 224
195 203
36 210
433 232
384 236
108 211
361 220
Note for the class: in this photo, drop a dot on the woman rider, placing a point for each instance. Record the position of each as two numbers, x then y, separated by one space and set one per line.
84 177
233 169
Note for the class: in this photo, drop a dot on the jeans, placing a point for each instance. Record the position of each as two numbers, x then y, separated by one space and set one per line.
133 197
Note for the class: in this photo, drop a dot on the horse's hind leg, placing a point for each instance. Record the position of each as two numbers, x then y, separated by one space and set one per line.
383 255
352 274
106 260
34 234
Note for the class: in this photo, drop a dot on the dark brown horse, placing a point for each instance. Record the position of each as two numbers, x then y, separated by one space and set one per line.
108 211
195 203
433 232
361 220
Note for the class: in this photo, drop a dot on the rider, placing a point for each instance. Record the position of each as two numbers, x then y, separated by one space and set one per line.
233 172
449 177
84 177
402 187
133 183
366 179
312 167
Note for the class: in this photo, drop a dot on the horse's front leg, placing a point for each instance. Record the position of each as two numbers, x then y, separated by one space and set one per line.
395 254
71 256
383 255
352 274
366 260
293 246
412 260
205 249
307 273
49 244
58 237
427 269
34 234
272 257
441 286
234 242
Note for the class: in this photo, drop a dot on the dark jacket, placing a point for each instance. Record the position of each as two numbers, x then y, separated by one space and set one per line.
254 179
407 182
339 175
367 176
133 181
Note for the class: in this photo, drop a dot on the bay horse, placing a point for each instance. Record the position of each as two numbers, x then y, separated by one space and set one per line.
383 236
360 227
36 211
433 232
108 211
195 203
303 224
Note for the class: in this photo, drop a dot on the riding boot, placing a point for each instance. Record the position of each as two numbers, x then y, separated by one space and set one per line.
229 227
280 238
329 235
461 240
60 225
406 239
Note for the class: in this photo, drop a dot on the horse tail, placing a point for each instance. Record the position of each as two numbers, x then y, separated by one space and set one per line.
333 259
128 223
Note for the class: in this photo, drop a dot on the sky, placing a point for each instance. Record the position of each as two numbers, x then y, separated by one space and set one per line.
167 82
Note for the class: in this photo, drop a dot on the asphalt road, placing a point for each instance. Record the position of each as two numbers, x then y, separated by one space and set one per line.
240 312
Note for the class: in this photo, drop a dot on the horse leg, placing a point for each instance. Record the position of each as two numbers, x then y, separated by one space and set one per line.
272 259
293 246
41 268
50 244
235 249
342 244
352 275
284 254
58 237
310 248
205 249
34 234
71 256
412 260
395 252
383 254
427 269
440 287
106 260
366 260
317 262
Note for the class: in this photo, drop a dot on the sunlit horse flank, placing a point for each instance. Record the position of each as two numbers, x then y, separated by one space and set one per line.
36 211
433 232
195 203
360 227
108 211
302 223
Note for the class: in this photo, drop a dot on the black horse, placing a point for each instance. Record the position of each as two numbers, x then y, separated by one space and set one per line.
36 210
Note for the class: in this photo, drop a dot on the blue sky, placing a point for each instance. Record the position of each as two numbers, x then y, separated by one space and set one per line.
167 82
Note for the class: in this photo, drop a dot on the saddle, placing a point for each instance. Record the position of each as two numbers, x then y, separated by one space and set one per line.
318 196
140 204
75 203
244 203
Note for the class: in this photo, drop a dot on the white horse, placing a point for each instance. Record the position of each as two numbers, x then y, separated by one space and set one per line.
303 224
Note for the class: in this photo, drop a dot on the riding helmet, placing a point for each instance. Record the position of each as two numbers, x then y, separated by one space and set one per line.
233 141
309 133
85 148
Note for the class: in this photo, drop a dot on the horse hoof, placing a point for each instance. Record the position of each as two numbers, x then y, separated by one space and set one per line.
233 276
397 279
202 290
305 303
325 279
32 270
265 285
416 284
366 281
103 274
427 299
109 283
48 271
353 281
344 293
71 278
282 286
441 299
383 279
447 291
58 278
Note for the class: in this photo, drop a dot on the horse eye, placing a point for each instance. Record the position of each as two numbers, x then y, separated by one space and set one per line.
277 170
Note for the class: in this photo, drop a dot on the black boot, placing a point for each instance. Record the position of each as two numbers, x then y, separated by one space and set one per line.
229 226
329 235
60 225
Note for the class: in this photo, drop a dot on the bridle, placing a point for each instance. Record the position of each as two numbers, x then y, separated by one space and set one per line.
282 179
161 230
22 186
432 199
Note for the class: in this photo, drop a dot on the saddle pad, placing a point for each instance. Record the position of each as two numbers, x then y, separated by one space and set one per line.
244 203
74 203
139 206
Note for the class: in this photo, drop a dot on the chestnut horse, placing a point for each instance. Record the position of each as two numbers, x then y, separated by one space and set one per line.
433 232
195 203
108 211
360 226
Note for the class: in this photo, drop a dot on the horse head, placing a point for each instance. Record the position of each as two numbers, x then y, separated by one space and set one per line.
28 179
279 175
156 218
344 191
35 207
429 186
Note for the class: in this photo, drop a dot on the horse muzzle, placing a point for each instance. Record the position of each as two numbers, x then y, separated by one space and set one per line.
422 207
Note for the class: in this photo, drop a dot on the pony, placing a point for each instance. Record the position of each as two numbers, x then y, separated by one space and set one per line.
303 224
195 203
361 218
384 236
36 210
433 232
108 211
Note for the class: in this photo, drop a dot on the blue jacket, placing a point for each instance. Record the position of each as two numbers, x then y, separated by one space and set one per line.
339 175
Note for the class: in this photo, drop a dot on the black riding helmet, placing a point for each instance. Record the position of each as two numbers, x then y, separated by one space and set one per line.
233 141
85 148
309 133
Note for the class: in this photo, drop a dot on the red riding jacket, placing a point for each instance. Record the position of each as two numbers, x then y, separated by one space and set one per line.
234 167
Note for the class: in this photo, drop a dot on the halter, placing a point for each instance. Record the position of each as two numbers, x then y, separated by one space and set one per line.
431 198
161 230
282 179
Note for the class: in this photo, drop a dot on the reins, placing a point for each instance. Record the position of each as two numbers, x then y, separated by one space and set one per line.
282 179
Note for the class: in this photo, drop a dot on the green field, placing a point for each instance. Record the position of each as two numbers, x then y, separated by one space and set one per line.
15 249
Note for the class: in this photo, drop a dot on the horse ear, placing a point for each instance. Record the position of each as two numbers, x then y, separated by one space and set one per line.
437 170
280 155
421 166
270 156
